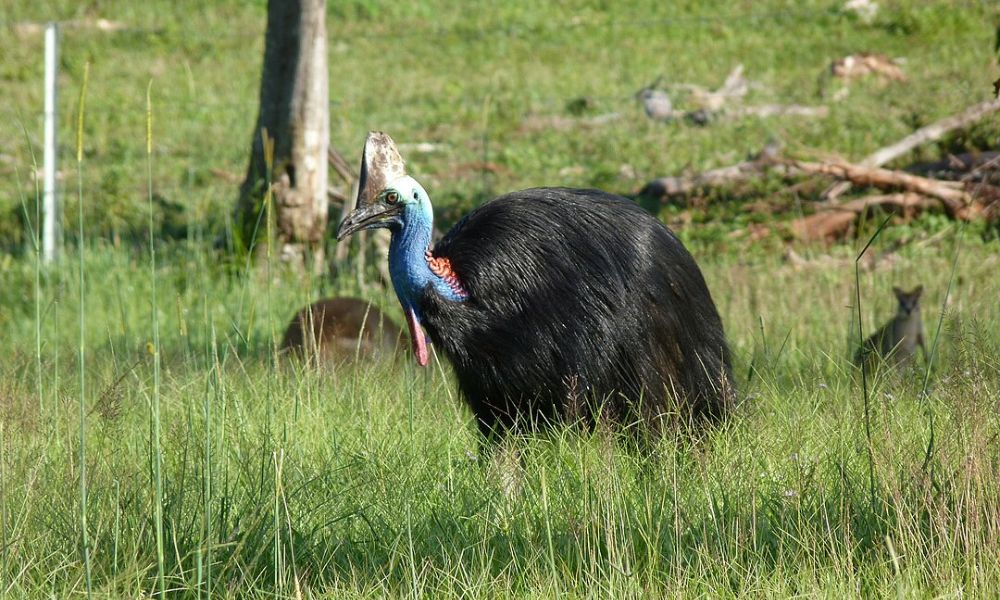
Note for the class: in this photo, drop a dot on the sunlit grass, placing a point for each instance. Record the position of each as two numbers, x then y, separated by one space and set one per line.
470 82
330 489
186 458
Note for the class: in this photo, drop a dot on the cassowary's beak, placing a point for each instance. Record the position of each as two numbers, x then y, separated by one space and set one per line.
381 164
367 217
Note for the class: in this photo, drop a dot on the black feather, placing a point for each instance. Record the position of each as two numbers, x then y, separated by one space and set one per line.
580 305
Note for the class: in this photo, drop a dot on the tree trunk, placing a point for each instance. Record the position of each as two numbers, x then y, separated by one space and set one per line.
294 111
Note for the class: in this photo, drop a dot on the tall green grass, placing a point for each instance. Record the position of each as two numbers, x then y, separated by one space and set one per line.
370 481
81 360
155 441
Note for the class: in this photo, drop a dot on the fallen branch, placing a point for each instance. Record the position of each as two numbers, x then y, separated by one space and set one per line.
712 104
780 110
962 200
659 107
919 137
931 132
957 202
958 166
835 223
735 87
758 164
991 164
666 187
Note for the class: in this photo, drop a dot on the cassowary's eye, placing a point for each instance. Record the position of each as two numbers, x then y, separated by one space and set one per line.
416 196
392 197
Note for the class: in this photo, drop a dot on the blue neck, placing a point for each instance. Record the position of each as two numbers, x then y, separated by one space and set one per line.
408 266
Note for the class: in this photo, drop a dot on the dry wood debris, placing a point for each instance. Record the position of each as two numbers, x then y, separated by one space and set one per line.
856 66
724 101
964 187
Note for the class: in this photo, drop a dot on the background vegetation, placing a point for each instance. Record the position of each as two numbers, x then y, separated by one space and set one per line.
266 479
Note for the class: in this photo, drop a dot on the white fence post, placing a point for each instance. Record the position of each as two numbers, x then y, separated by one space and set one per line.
50 228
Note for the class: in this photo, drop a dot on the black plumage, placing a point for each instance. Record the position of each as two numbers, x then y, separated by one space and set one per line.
552 304
581 305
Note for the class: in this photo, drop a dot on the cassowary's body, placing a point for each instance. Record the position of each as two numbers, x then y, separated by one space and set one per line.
577 300
552 304
334 330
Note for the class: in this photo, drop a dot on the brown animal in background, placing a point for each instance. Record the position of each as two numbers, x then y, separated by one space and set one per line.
336 330
896 342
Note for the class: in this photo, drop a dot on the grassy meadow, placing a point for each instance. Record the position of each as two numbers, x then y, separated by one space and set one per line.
152 443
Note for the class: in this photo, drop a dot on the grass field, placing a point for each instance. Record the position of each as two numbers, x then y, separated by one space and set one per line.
183 456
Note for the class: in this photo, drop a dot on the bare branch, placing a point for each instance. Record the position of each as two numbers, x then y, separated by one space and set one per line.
779 110
339 164
952 194
335 196
666 187
919 137
836 222
760 163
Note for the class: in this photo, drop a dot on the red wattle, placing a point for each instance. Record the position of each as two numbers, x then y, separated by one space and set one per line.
418 338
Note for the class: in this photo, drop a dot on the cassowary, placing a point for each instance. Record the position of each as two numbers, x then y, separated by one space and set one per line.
335 330
552 304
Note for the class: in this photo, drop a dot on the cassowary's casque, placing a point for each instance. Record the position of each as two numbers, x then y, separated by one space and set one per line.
551 303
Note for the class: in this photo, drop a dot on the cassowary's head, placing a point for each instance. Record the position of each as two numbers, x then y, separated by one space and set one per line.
391 199
387 196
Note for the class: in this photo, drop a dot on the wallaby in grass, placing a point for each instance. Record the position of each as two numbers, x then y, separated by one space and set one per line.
896 342
336 330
